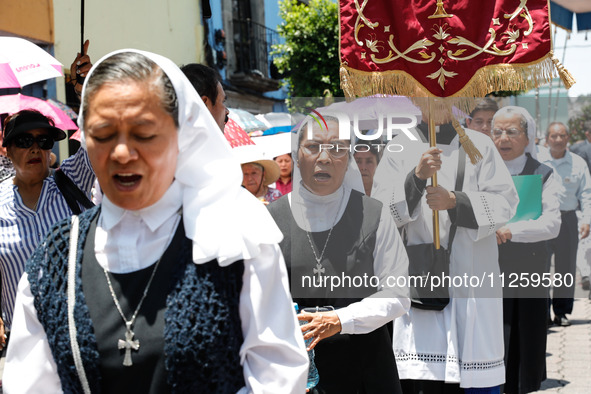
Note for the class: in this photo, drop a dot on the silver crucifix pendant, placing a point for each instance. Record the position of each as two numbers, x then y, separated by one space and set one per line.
128 344
319 270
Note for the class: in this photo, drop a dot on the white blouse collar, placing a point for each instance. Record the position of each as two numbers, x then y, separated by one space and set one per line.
153 216
309 197
516 165
318 213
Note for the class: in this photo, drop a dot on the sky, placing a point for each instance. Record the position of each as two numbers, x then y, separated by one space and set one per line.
577 59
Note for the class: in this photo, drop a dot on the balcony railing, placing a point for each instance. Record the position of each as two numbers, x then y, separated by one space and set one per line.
252 44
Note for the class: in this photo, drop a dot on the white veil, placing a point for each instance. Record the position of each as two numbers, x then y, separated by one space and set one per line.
318 213
531 126
223 220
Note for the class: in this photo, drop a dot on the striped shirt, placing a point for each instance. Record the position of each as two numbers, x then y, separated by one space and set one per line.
22 229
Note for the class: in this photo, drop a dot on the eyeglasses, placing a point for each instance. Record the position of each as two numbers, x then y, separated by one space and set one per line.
336 150
25 141
511 133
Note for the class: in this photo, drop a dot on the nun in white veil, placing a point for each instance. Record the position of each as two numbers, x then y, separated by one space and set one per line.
343 252
519 155
523 252
175 230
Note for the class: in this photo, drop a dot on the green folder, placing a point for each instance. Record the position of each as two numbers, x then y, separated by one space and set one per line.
529 188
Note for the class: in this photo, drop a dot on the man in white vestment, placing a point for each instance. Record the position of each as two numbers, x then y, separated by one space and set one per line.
462 344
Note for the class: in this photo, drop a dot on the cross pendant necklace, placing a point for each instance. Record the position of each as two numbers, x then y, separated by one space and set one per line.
128 344
319 270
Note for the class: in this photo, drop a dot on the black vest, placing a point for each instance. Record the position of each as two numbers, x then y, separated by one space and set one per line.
349 253
191 321
526 257
346 363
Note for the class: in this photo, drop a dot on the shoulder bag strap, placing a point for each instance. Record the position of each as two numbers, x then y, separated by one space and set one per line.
73 252
458 188
71 192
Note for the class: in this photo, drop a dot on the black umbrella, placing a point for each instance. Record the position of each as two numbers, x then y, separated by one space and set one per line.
82 27
78 77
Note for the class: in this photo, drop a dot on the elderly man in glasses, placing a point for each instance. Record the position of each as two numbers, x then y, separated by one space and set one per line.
31 203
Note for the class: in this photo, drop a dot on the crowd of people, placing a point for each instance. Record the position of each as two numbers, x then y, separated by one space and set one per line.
182 280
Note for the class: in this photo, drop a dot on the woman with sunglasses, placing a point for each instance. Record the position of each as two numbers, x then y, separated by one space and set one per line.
31 203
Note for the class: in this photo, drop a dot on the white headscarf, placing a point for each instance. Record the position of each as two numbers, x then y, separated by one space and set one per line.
352 178
223 220
531 126
319 213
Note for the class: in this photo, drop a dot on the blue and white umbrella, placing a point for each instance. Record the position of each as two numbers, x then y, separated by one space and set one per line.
276 122
246 120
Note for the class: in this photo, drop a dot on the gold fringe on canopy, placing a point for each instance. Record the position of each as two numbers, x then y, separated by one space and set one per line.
498 77
488 79
440 109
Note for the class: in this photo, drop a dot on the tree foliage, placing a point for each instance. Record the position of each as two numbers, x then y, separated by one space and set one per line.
309 58
576 124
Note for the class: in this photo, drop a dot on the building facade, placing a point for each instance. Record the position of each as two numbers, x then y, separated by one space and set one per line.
240 35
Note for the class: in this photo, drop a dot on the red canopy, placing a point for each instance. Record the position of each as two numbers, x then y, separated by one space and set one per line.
445 48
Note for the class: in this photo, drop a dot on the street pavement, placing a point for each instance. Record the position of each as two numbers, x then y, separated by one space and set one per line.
568 352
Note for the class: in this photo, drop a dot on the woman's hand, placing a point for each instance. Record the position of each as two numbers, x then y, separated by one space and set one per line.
320 325
80 67
503 235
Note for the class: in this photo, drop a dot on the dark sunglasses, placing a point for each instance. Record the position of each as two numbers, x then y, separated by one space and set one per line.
25 141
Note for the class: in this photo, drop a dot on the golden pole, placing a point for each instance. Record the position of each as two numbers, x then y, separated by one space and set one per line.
433 143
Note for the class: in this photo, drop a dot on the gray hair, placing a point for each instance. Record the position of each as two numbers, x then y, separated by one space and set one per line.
303 128
551 125
508 111
132 67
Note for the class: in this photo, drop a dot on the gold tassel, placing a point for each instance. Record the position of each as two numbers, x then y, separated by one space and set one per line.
471 150
567 79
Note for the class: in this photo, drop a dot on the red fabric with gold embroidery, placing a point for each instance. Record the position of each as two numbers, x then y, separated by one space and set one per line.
444 54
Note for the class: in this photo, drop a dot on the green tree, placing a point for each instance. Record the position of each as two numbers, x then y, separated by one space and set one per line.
309 58
576 124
